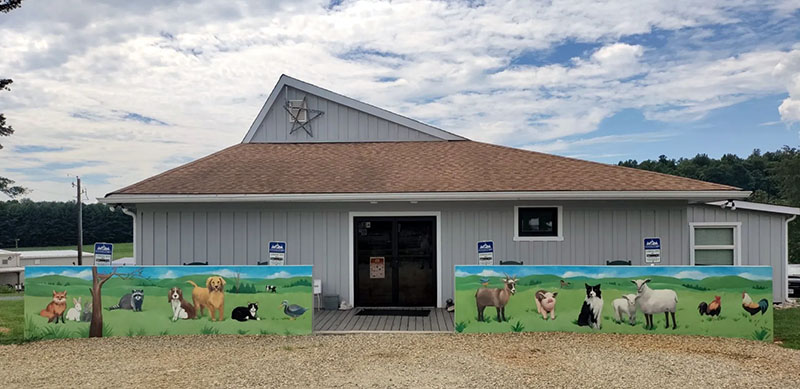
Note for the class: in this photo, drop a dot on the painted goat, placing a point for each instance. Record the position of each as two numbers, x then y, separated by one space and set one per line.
496 297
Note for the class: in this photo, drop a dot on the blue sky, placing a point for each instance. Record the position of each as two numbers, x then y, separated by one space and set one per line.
119 91
690 272
161 272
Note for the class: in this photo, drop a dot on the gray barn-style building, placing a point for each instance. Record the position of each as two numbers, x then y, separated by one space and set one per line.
343 182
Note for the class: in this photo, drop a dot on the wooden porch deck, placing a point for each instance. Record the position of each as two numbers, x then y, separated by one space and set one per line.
439 320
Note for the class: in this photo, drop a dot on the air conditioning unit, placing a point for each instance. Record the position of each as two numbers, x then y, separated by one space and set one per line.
298 110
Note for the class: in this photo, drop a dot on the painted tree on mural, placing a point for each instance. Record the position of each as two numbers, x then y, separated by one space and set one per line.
98 280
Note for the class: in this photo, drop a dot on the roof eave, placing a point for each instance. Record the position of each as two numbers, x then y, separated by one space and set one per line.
704 196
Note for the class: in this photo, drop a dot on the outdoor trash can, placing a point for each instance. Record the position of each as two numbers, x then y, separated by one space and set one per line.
330 302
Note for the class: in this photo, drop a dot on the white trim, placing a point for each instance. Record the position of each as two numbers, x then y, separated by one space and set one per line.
285 80
737 240
559 224
738 204
351 256
425 196
786 255
133 215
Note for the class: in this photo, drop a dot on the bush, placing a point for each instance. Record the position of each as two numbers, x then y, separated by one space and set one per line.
300 282
695 287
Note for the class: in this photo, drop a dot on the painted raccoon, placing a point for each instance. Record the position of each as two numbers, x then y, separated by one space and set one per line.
132 300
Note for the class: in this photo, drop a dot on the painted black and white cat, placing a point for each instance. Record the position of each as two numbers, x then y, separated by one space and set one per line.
132 300
592 310
250 312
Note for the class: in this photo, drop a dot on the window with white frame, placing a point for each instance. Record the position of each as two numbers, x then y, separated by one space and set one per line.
714 243
538 223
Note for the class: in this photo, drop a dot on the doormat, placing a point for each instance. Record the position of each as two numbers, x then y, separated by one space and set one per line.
394 312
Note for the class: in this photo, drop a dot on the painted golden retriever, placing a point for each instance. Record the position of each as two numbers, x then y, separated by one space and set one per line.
211 297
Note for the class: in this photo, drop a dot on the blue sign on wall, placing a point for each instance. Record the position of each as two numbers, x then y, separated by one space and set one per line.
486 246
652 250
652 243
277 247
103 252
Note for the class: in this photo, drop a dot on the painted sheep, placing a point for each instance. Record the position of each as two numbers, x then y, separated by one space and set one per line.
655 301
625 306
546 303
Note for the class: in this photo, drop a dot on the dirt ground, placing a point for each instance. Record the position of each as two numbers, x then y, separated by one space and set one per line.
401 360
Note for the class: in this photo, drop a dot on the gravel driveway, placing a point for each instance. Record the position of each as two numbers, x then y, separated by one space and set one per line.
401 360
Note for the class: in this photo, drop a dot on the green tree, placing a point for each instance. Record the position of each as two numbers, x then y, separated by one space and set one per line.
7 5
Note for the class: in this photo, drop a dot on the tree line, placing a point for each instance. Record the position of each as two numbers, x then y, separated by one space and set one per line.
773 177
51 223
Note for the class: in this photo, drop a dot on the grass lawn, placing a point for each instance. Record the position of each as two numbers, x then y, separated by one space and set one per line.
121 250
11 317
787 327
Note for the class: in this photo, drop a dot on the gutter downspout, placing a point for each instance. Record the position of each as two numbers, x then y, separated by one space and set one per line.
786 252
132 215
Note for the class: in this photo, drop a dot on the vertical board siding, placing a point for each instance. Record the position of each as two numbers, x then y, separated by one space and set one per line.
762 239
318 234
338 123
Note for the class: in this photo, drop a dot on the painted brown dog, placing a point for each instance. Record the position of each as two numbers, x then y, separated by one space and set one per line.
211 297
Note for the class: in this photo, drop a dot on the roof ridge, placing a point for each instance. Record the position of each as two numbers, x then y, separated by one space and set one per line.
185 165
610 165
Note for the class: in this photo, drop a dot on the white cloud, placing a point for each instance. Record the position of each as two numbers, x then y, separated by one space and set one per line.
751 276
490 273
460 273
280 274
205 69
227 273
692 274
169 274
83 274
572 274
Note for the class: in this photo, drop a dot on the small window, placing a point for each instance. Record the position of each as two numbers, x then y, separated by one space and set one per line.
538 223
5 262
298 111
714 244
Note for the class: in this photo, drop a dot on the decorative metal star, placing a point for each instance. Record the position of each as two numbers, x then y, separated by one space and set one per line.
311 114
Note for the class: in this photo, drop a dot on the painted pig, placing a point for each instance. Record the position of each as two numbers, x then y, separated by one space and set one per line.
546 303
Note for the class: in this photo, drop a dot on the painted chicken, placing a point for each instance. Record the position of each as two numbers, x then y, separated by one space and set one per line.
711 309
753 308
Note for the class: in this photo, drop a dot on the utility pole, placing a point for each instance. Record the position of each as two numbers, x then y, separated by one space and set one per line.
80 220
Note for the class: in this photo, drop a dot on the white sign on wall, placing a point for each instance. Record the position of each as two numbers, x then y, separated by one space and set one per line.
486 253
652 250
277 253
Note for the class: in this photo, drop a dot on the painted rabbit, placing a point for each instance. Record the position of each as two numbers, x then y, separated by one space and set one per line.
74 313
86 315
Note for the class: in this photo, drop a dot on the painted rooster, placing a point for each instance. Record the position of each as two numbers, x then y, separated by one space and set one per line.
711 309
753 308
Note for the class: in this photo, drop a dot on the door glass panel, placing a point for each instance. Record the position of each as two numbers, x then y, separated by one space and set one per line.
416 262
373 239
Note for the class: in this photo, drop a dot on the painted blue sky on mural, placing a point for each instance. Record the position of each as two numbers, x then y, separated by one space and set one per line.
162 272
687 272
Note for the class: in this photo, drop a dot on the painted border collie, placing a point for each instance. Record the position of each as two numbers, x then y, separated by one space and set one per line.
592 310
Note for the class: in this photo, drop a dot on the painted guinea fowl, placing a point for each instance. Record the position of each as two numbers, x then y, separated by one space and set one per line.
293 311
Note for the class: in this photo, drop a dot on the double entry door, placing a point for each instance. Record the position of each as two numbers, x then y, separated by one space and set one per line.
395 261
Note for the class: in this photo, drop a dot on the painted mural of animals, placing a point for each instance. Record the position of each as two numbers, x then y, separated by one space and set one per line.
652 301
55 309
211 297
564 284
753 308
711 309
132 301
546 303
292 310
74 313
592 310
496 297
271 289
181 309
625 306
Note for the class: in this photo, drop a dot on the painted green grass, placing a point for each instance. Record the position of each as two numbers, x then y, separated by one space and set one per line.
522 315
787 327
11 317
121 250
156 315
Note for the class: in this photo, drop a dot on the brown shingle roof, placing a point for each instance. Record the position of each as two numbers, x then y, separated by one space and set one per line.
397 167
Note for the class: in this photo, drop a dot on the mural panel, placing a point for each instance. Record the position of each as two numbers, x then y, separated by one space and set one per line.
166 300
728 301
